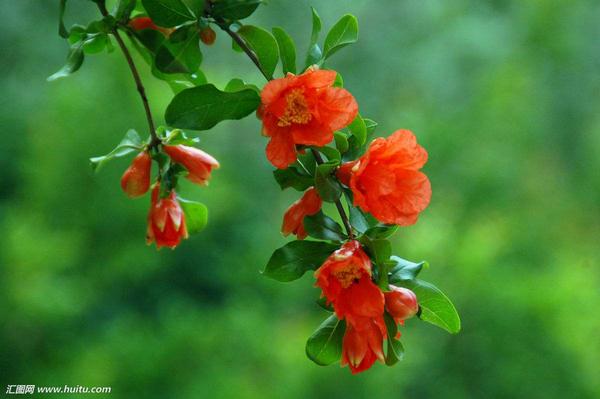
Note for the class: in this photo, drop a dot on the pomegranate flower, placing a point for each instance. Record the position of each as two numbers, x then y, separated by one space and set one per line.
303 109
166 220
386 180
136 179
293 219
198 163
401 303
345 281
362 346
141 23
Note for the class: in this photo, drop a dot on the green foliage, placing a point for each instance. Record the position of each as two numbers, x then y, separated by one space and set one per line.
394 351
74 62
287 50
129 144
234 9
322 227
168 13
295 177
329 188
291 261
324 347
381 231
314 54
343 33
180 53
202 107
196 215
264 46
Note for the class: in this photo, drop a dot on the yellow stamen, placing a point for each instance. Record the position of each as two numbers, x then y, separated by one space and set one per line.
348 275
296 110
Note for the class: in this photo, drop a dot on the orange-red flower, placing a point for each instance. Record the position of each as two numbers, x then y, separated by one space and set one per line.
303 109
198 163
401 303
136 179
362 346
345 280
293 219
386 180
166 220
141 23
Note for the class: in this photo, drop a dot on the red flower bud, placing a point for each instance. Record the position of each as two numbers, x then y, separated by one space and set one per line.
401 303
361 347
166 220
293 219
208 36
141 23
136 179
198 163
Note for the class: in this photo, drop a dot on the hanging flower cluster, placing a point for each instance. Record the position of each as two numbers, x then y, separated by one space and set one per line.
355 190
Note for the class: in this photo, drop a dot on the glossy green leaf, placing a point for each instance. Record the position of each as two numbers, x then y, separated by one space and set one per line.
62 30
332 154
314 54
370 125
343 33
236 84
196 215
264 46
202 107
130 143
435 307
327 185
294 177
178 137
234 9
358 129
341 141
180 53
291 261
402 269
381 231
324 347
323 227
73 63
168 13
394 351
123 9
287 50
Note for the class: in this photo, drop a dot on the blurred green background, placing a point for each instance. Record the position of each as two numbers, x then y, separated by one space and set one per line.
504 95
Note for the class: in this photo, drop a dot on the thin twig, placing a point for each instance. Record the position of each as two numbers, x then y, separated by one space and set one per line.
155 141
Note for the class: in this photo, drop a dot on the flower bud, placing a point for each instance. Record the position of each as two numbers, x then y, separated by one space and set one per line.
208 36
141 23
198 163
136 179
401 303
166 220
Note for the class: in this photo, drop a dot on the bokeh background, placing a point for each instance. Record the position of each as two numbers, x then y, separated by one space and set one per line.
505 96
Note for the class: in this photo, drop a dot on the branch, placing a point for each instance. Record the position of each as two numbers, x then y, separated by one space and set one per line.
155 141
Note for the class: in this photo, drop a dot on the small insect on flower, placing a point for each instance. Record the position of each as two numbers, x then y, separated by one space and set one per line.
166 220
303 109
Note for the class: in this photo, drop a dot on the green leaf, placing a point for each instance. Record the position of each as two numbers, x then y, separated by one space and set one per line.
332 154
371 125
236 84
394 349
381 250
343 33
381 231
324 347
196 215
327 185
291 261
123 9
358 129
62 30
234 9
168 13
264 46
180 53
323 227
293 177
74 62
178 137
314 54
435 307
287 50
202 107
402 269
130 143
341 142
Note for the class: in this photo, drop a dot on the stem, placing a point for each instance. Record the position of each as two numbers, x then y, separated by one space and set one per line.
242 43
155 141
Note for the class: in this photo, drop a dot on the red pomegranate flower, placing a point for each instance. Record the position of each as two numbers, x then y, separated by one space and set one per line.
401 303
386 181
141 23
166 221
362 346
136 179
303 109
309 204
345 280
198 163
